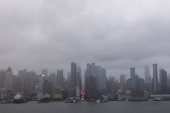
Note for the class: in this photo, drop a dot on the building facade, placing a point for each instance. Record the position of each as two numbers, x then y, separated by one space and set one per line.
155 78
163 81
9 79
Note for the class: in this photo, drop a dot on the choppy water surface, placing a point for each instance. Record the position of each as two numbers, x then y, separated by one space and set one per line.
88 107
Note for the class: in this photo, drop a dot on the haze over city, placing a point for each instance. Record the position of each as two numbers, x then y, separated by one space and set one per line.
37 34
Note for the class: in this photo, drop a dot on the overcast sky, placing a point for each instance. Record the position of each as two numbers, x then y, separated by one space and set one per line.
115 34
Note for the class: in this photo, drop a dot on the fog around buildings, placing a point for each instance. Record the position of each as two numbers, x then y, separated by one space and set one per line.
114 34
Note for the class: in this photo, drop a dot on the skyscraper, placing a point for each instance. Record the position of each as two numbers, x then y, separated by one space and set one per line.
101 79
60 79
45 74
122 79
53 80
2 78
32 81
9 79
69 80
163 80
123 83
133 78
73 74
78 77
146 74
91 85
155 78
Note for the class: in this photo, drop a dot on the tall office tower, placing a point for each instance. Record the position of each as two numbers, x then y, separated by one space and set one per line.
60 79
69 80
168 81
17 84
163 81
123 83
101 79
53 80
78 77
73 74
32 81
91 85
155 78
39 83
147 74
122 79
133 78
24 80
9 79
45 74
2 78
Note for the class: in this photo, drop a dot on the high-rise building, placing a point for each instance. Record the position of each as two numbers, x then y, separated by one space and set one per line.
111 85
53 79
122 79
32 81
60 79
2 78
48 88
9 79
45 74
133 78
155 78
123 83
78 77
24 79
91 85
101 79
147 74
73 74
168 81
163 81
69 80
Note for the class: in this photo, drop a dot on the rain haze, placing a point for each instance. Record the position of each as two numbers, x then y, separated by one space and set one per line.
117 35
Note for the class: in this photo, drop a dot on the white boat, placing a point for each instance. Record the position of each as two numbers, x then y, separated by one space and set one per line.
74 101
150 100
18 98
98 101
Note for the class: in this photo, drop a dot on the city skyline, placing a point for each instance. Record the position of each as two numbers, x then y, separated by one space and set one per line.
65 73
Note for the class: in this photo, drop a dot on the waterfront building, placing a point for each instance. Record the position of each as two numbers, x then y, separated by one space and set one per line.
24 79
9 79
91 85
73 74
78 77
69 80
60 79
39 86
45 74
101 79
155 78
53 79
48 88
147 74
32 81
133 78
163 81
58 94
2 78
123 83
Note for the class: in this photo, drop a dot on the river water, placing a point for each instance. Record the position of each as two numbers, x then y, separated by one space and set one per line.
88 107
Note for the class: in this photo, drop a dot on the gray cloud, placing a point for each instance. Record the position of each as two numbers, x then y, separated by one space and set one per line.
117 35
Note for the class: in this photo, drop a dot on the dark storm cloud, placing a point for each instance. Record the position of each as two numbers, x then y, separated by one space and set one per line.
117 35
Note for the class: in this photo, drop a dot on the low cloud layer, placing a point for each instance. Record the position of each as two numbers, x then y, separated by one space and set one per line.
117 35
